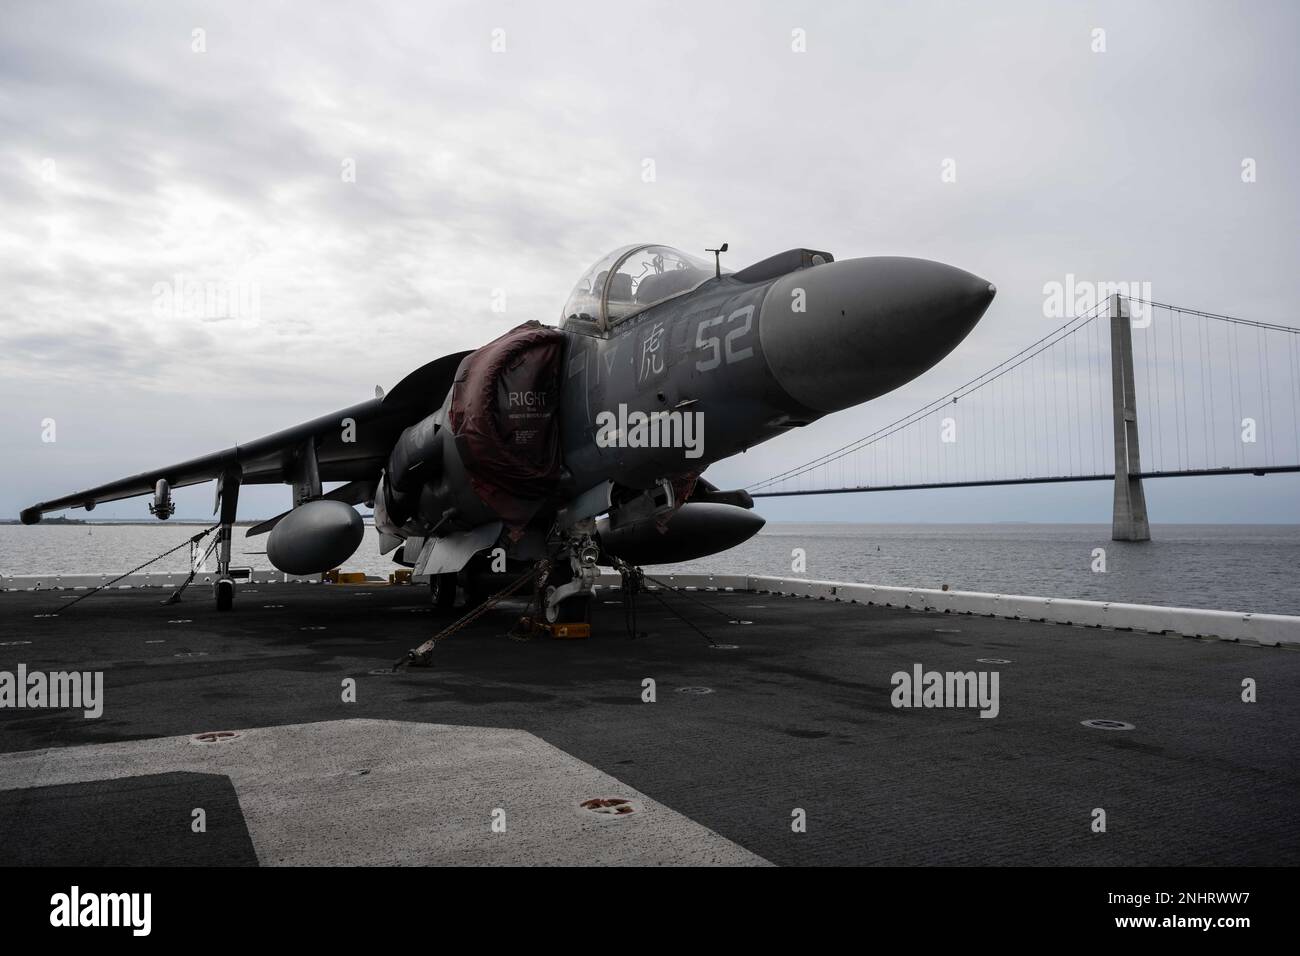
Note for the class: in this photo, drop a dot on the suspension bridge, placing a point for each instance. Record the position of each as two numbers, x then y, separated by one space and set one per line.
1128 390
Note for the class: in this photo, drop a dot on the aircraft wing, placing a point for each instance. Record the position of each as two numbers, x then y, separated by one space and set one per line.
272 459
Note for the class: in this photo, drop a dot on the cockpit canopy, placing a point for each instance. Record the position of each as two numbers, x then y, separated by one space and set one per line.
630 280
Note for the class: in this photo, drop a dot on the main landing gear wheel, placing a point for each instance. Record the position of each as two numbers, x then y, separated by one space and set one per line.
225 590
442 590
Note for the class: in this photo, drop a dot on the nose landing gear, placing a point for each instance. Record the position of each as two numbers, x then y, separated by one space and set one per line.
570 586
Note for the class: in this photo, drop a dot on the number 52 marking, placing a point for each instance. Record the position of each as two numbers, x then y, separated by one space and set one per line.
726 345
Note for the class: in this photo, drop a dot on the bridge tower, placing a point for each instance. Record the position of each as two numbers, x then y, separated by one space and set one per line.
1129 521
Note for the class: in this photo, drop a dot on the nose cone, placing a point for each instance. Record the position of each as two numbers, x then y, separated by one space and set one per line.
867 326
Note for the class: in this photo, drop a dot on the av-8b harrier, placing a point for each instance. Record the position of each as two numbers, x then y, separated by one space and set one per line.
585 444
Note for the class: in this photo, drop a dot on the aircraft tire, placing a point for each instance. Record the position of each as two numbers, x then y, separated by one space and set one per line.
225 591
442 591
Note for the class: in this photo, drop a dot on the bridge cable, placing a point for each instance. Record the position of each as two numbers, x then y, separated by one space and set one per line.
1025 354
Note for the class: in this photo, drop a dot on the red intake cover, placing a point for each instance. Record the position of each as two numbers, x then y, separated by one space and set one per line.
505 416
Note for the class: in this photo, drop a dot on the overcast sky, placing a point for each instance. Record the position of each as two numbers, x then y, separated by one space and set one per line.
383 174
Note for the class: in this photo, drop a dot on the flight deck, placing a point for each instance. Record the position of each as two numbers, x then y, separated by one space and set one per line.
767 730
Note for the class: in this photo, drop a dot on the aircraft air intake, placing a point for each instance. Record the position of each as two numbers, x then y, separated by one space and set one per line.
503 414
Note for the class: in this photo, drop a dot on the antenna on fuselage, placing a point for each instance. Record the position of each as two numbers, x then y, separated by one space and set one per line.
717 260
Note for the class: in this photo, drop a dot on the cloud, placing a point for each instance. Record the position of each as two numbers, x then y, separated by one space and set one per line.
128 159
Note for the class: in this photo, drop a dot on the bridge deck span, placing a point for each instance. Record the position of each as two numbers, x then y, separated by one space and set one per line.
1046 480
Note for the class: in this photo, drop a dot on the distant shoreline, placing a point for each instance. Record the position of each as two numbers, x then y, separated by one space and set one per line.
369 523
139 523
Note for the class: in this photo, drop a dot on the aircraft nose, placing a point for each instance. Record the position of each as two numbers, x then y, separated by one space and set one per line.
839 334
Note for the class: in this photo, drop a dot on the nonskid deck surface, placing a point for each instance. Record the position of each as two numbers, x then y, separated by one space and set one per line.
488 756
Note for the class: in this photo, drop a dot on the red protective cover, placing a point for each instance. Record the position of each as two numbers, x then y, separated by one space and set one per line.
505 416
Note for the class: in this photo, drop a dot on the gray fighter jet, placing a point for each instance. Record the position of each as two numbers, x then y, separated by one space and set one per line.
585 444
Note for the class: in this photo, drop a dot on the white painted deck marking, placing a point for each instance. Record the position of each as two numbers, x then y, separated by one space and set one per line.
428 798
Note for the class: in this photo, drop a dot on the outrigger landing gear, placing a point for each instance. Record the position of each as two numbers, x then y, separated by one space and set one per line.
225 591
228 502
570 586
